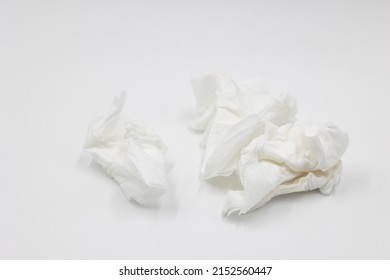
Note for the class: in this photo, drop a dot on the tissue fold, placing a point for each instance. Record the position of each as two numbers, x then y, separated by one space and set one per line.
232 114
129 153
286 159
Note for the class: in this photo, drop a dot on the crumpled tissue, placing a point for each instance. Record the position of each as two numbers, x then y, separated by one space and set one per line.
286 159
230 115
248 131
129 153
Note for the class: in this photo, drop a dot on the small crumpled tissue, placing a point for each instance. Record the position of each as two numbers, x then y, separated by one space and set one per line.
252 133
129 153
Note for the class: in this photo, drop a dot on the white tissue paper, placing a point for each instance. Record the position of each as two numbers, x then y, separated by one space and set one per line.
286 159
129 153
252 133
231 115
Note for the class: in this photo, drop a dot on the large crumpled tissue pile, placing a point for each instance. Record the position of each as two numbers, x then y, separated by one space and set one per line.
248 131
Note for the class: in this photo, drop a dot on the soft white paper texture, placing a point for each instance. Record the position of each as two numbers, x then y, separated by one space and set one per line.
248 131
230 115
129 153
286 159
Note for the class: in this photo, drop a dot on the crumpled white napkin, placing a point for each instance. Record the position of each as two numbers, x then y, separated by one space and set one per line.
230 115
252 133
129 153
290 158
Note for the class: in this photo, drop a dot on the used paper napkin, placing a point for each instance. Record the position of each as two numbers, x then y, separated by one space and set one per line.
286 159
230 115
129 153
248 131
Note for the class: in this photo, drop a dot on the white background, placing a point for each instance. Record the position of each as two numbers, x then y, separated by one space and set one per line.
62 62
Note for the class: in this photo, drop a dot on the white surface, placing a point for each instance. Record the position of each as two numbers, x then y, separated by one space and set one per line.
62 62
